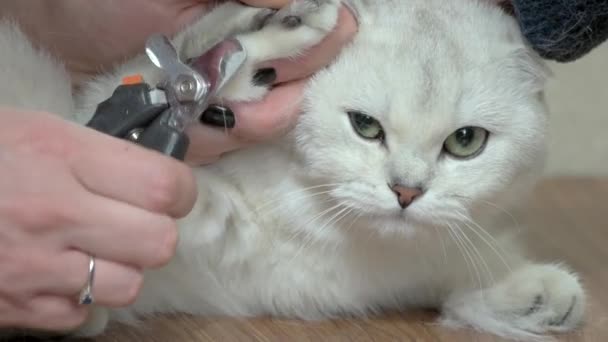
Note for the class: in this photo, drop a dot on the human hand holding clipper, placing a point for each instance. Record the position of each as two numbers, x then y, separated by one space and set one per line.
100 199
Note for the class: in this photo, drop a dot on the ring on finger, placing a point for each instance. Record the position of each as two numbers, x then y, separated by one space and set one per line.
86 295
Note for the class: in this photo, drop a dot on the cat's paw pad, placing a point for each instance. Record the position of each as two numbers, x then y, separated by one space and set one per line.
318 15
285 33
530 302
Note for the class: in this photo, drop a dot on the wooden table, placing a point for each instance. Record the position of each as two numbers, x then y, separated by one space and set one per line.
568 221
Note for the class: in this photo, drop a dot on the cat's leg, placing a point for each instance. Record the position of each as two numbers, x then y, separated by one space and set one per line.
265 34
533 300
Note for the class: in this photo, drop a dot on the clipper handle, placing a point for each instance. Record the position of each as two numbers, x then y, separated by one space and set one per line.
129 107
165 139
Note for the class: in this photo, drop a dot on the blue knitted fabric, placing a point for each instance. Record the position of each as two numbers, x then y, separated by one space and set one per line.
563 30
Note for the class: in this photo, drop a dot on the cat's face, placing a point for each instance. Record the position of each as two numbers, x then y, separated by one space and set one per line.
430 98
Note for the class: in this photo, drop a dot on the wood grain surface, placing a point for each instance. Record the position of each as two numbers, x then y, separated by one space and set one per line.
567 221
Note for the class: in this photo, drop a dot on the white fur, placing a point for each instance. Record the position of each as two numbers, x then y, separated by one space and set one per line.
307 227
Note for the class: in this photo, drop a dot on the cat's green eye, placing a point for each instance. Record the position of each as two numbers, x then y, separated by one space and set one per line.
466 142
366 126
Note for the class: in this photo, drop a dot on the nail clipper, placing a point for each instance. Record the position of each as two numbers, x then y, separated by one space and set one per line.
157 117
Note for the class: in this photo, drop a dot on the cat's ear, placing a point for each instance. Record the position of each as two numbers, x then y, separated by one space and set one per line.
506 5
528 69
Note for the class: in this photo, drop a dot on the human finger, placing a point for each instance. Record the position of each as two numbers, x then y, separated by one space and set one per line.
114 284
125 172
107 166
122 233
47 312
254 122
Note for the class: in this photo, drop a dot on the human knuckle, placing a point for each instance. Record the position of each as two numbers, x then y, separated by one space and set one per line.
16 269
48 139
58 214
23 210
30 265
75 280
35 212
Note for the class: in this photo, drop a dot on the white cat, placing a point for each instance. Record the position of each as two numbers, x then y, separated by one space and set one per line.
390 191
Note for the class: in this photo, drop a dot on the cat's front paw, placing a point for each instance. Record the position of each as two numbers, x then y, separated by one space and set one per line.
532 301
282 34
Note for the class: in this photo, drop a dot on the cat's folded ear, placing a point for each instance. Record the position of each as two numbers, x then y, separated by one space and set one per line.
507 6
527 69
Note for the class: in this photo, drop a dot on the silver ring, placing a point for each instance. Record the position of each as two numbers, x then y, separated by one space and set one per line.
86 295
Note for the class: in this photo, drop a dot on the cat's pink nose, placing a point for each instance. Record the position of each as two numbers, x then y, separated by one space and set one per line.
406 195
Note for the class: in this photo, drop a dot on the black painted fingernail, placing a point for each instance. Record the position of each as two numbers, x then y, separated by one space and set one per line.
265 77
218 116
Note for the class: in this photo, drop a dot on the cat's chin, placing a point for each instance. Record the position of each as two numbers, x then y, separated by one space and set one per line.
412 221
395 223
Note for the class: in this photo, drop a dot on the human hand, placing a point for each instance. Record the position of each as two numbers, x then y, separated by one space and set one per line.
277 112
67 192
115 30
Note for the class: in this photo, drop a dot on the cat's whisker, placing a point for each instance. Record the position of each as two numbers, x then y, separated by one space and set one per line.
280 197
452 233
284 198
309 238
298 231
487 234
492 243
443 246
341 217
492 205
336 217
479 255
465 248
318 186
284 203
354 221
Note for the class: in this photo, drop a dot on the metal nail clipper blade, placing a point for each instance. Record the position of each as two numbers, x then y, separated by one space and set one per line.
191 86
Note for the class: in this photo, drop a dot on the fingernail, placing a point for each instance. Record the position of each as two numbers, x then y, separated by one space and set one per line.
264 77
218 116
